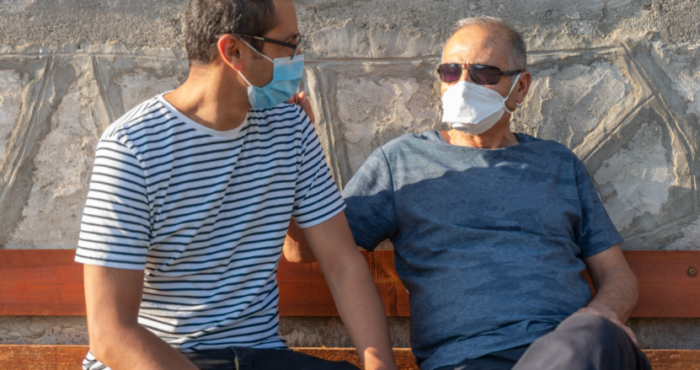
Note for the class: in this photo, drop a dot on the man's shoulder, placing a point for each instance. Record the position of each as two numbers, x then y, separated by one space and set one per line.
546 147
409 142
281 113
135 120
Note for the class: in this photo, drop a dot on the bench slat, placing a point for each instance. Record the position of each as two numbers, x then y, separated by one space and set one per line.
40 283
48 282
53 357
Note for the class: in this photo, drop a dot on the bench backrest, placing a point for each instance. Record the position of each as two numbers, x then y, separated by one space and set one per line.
48 282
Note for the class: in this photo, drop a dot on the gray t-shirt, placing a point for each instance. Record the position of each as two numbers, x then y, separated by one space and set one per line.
489 242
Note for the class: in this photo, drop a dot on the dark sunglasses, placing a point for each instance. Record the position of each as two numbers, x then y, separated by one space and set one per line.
479 73
296 47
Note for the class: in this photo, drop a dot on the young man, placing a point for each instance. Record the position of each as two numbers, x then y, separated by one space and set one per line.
190 199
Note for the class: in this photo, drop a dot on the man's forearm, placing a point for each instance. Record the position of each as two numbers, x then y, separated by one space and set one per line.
362 312
133 347
617 291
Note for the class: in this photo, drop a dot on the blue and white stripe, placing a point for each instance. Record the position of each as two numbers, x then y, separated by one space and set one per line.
205 214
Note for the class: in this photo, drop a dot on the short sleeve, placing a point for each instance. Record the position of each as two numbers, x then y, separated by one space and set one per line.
316 197
369 197
596 232
116 223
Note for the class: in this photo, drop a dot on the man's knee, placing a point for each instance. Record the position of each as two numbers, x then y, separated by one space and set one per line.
584 341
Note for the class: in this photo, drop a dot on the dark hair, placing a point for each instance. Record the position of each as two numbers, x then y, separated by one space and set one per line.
205 20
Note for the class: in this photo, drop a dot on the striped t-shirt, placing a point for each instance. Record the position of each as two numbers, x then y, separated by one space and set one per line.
205 214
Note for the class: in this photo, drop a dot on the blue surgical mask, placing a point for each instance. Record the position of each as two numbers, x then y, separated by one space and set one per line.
285 79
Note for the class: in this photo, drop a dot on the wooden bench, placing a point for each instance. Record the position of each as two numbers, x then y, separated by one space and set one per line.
49 283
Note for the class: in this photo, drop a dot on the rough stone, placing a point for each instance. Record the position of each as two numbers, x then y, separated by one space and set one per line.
51 218
682 65
640 175
139 86
10 106
567 104
666 333
372 113
43 330
690 239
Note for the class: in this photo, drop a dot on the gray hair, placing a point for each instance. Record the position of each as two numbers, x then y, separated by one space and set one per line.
517 50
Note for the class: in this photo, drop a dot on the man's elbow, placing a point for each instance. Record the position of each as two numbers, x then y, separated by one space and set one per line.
105 343
101 344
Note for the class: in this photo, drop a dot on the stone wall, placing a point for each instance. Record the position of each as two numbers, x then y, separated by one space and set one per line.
618 81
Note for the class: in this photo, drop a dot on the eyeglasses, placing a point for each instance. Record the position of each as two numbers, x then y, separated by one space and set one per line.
479 73
296 47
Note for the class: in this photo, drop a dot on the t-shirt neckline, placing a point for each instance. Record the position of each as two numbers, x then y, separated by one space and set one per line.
198 126
442 140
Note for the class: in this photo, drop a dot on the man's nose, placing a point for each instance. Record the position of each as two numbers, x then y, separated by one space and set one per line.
465 76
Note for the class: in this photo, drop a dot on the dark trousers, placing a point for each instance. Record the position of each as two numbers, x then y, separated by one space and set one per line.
261 359
581 342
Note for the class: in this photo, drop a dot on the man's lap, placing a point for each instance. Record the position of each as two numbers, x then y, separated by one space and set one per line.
501 360
261 359
581 342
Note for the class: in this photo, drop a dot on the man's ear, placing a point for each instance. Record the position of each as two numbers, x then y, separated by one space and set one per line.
229 49
523 87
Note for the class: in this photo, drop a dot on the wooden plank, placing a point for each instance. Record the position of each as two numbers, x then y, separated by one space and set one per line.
665 287
40 282
59 357
673 359
48 282
41 357
304 292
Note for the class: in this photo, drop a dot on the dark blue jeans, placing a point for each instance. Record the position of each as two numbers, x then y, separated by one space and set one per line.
261 359
581 342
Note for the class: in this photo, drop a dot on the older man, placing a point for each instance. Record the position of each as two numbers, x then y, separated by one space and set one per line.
492 229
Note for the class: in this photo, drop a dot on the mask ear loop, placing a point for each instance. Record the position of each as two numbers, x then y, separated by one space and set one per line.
255 50
509 92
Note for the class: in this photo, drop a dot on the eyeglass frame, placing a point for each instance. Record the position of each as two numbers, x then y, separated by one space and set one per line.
273 41
468 67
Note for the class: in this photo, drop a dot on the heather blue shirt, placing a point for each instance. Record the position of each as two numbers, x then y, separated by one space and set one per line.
489 243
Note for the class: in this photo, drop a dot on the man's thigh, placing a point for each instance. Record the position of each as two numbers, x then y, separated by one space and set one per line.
241 358
584 342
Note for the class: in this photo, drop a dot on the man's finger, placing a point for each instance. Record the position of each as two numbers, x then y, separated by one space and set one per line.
294 99
630 333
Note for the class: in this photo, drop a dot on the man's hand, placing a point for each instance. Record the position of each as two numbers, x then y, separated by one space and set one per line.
295 248
616 288
609 314
354 292
301 100
113 298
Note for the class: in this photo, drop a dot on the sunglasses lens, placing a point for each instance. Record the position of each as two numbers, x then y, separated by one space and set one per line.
450 72
485 75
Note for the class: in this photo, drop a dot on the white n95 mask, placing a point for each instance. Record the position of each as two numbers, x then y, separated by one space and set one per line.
473 109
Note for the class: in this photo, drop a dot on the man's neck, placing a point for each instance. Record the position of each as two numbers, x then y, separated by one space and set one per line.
206 99
499 136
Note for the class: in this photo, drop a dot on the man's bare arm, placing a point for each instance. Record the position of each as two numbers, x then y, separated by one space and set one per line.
113 297
616 287
354 292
